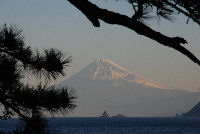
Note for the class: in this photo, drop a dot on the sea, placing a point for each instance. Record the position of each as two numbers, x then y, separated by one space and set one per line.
114 125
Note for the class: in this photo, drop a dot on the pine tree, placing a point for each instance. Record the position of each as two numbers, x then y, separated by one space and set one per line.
27 101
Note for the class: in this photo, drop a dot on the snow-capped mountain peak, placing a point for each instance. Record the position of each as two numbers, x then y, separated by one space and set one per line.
105 69
105 85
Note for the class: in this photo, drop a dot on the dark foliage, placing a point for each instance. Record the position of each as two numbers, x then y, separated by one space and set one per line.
29 102
166 9
145 10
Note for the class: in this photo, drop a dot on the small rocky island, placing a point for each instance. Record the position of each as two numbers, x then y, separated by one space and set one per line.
105 114
119 116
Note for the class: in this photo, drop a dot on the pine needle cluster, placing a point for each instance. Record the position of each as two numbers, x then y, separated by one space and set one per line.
167 9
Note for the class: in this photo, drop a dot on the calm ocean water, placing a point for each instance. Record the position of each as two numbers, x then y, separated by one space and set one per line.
118 125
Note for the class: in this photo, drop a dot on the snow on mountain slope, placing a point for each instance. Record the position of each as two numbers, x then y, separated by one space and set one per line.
105 69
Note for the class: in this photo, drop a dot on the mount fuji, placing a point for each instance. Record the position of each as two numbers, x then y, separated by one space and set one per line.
104 85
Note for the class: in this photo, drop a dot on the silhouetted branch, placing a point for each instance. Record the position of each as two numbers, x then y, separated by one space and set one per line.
94 14
14 109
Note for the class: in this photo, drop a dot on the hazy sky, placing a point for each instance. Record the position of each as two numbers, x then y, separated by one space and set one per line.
56 23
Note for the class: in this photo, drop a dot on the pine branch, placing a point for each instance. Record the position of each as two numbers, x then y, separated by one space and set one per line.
14 109
182 11
110 17
51 62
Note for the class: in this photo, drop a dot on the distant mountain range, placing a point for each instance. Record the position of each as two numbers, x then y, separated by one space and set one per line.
105 85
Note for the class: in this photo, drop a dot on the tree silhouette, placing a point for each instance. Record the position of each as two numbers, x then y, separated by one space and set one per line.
26 101
143 11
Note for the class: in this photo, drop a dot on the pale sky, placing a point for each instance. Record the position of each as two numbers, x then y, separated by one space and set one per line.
56 23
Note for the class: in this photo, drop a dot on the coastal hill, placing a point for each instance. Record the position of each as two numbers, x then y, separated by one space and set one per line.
194 112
